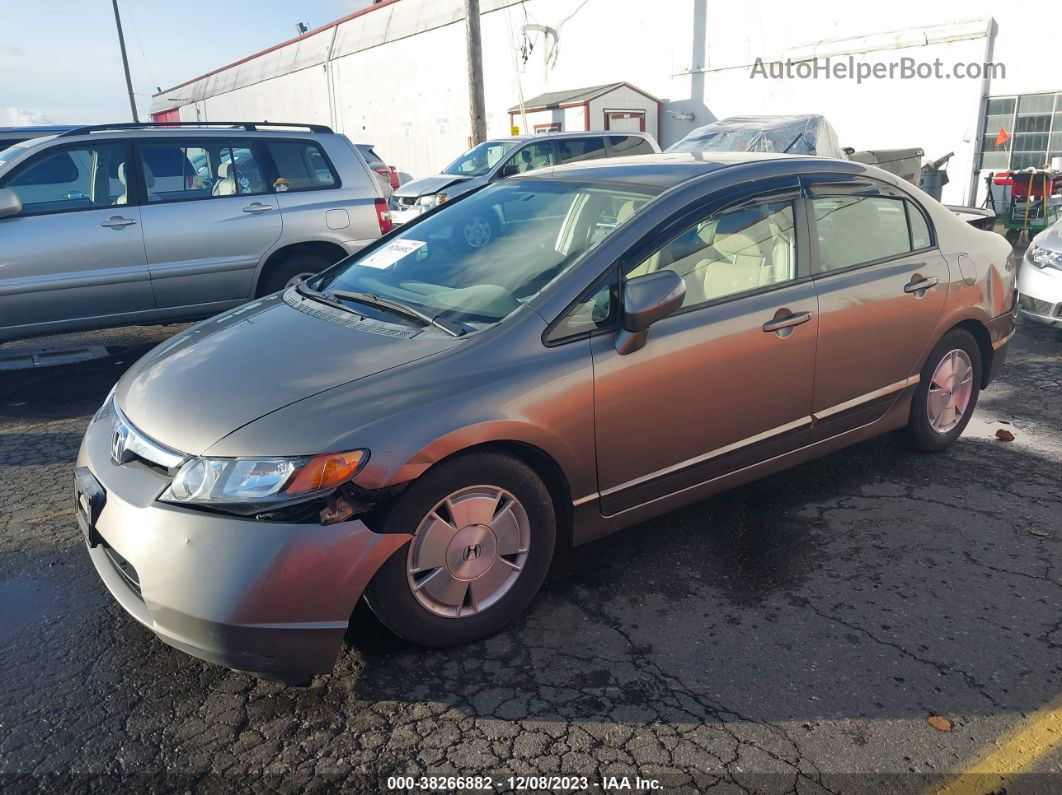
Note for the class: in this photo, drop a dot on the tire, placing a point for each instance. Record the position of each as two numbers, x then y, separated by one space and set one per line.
421 616
931 427
278 276
1012 235
479 231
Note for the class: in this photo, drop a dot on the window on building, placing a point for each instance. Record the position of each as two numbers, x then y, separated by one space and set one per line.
1033 127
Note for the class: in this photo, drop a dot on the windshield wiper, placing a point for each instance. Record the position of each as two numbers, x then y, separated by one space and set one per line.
399 308
306 291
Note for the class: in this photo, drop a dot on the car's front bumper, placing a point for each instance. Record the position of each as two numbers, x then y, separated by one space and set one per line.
264 597
1040 293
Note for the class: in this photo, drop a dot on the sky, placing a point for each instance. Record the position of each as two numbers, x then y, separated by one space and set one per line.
60 62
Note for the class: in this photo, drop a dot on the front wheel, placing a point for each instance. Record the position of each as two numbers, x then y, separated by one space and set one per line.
947 392
484 528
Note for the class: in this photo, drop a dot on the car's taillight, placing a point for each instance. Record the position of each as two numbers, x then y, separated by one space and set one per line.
395 181
383 215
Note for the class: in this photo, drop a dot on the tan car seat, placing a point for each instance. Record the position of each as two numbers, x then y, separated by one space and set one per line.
226 184
149 182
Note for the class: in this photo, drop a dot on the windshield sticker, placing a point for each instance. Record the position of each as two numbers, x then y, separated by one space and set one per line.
391 253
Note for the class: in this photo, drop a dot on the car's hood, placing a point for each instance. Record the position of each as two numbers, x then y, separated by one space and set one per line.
220 374
429 186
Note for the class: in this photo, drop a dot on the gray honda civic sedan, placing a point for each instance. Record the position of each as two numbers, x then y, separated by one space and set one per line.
425 422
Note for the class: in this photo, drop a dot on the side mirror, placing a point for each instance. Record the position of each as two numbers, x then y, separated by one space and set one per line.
508 170
647 299
10 203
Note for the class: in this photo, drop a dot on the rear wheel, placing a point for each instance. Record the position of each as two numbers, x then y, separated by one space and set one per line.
947 392
484 529
292 270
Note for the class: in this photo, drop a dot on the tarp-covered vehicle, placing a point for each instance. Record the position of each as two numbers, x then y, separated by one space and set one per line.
799 134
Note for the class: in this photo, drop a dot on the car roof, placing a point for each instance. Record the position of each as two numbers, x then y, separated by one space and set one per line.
658 170
553 136
38 128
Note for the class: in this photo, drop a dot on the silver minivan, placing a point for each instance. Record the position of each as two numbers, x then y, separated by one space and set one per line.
121 224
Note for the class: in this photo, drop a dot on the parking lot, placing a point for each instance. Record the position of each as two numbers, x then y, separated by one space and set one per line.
795 635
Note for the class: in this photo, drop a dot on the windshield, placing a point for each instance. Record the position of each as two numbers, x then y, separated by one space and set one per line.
479 259
479 160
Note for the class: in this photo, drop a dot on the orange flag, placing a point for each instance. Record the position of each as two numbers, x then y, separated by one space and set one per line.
1002 137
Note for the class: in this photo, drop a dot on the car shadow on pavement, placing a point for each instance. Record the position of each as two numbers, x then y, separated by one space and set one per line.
872 584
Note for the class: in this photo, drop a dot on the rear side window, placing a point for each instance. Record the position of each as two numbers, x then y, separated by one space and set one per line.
179 170
920 236
572 150
300 165
858 229
624 145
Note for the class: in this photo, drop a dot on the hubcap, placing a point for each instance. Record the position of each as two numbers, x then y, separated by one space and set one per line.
298 277
478 232
950 391
468 551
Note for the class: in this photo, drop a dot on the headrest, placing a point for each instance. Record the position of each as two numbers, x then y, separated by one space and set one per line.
224 169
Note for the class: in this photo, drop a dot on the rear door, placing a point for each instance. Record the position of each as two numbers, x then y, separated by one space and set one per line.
882 285
209 216
76 249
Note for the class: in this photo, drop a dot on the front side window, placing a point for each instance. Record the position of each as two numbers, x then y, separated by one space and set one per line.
541 227
480 159
732 252
78 178
301 165
532 156
857 229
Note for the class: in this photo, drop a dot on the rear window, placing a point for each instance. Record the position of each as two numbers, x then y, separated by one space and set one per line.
301 165
624 145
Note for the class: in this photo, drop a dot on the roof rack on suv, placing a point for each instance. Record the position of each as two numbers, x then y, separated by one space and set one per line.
245 125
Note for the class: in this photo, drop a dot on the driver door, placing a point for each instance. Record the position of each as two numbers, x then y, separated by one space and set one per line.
727 380
76 250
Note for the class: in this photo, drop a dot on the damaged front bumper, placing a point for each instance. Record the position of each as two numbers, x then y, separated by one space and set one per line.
265 597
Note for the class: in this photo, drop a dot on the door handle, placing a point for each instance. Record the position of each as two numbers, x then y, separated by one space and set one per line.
918 284
117 222
788 321
257 207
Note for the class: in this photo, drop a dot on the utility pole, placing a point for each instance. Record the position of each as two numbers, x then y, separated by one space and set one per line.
125 60
476 103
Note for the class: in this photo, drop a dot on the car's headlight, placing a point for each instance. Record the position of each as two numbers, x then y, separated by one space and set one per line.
106 410
247 485
432 201
1044 257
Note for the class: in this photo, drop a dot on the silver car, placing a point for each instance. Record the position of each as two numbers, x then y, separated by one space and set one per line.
1040 277
506 157
425 421
121 224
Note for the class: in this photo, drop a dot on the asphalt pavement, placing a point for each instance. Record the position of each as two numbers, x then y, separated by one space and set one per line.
877 620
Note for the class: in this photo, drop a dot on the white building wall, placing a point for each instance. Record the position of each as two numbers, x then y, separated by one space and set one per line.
395 77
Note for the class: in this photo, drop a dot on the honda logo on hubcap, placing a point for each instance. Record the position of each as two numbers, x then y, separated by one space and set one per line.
472 552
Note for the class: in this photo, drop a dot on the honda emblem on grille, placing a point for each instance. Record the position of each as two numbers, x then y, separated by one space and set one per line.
118 436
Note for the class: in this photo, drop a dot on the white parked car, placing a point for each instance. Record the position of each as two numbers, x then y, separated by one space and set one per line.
1040 277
